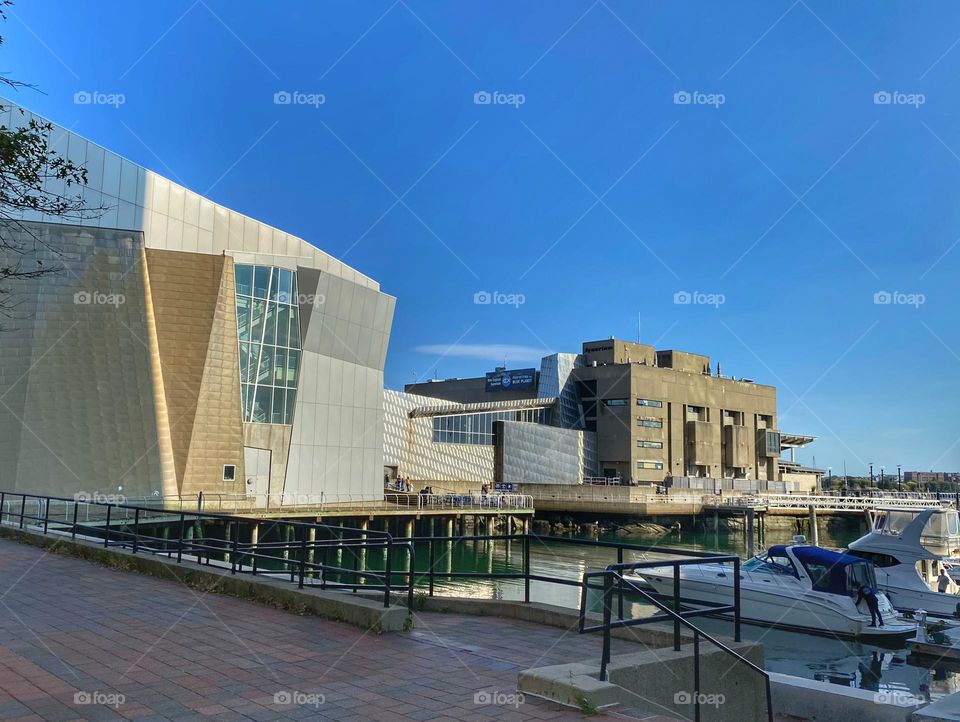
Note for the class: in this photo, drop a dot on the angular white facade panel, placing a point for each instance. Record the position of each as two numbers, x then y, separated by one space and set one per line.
330 443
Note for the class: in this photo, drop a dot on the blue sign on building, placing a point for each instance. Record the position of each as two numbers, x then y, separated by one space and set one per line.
518 379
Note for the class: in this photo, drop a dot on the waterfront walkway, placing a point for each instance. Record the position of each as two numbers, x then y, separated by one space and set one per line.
80 641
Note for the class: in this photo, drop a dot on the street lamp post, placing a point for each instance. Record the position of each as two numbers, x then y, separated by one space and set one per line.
871 473
899 479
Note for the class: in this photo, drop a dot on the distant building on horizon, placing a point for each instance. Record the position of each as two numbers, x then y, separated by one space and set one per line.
932 477
618 409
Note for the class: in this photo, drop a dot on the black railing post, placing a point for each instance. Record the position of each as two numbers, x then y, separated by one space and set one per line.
234 547
386 573
3 504
696 676
413 575
676 606
23 509
106 528
76 508
323 566
303 556
620 585
46 515
183 519
433 560
766 679
526 568
607 603
736 600
136 529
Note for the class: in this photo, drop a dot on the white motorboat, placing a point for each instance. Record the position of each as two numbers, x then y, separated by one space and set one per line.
796 587
909 547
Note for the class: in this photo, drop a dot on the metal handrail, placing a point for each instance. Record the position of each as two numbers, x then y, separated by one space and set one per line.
613 576
111 526
839 503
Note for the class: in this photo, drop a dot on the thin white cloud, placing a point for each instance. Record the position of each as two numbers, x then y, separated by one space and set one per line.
486 352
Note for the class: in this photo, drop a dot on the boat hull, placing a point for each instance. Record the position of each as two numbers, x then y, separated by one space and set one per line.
935 604
791 609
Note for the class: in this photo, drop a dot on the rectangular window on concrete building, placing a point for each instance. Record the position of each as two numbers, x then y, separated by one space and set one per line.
697 413
229 472
650 402
616 402
649 444
650 465
650 423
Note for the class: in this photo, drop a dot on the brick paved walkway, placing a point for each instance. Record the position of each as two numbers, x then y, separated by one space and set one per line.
76 638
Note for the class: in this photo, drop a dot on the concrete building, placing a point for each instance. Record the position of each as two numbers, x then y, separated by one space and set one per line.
185 347
932 477
646 416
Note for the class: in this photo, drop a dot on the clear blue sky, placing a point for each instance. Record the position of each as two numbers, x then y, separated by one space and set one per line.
794 201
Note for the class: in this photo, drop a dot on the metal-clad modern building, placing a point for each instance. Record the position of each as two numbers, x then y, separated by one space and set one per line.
185 347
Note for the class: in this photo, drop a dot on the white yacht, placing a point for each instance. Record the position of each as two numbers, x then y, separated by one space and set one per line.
909 547
796 587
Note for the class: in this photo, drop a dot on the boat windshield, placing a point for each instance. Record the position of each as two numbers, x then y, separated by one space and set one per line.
769 563
860 574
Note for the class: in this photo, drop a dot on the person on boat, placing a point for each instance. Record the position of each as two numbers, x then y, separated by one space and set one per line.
943 581
869 595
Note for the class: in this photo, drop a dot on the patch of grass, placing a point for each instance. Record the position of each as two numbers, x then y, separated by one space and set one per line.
587 708
419 601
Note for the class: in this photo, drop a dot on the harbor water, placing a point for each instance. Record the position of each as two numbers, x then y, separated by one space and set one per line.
839 661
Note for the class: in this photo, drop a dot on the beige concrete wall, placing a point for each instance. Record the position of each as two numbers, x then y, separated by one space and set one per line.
217 437
619 431
195 314
736 446
682 361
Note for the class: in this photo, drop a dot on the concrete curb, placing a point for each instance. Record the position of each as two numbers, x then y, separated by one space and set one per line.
810 699
545 614
655 681
336 606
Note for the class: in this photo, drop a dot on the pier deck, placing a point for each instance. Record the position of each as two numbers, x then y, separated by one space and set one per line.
72 630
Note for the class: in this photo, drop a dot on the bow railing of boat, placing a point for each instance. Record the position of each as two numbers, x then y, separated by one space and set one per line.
615 581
